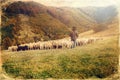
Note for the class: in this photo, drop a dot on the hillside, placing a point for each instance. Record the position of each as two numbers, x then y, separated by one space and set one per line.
25 22
72 17
100 14
30 21
112 30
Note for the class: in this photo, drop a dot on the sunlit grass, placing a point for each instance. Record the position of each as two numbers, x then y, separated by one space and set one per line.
99 59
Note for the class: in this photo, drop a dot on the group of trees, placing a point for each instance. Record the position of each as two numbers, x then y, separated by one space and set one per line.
10 28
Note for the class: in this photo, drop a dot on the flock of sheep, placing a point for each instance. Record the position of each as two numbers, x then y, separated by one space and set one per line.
52 44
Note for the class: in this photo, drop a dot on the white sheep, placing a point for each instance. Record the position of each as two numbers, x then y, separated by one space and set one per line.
13 48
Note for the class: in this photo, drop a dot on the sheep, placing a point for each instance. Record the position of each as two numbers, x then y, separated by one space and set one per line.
83 41
41 45
13 48
63 43
80 42
68 44
90 41
54 44
22 47
46 45
37 46
50 46
30 46
10 48
59 44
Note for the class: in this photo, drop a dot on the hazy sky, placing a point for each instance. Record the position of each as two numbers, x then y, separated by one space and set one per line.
76 3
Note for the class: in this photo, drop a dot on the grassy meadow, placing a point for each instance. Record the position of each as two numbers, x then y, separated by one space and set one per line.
96 60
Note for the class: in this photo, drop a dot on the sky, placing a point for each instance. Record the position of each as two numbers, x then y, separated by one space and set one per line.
77 3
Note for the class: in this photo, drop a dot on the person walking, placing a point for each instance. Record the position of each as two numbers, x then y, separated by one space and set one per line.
74 36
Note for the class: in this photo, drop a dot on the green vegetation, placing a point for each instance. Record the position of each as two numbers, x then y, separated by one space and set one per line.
99 59
7 35
7 31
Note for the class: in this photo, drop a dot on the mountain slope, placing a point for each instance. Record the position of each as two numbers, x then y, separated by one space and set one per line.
100 14
112 30
25 22
72 17
69 16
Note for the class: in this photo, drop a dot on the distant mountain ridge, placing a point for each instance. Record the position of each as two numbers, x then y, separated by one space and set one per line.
100 14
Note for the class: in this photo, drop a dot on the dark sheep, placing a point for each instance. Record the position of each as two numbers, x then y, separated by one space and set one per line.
54 46
59 46
22 48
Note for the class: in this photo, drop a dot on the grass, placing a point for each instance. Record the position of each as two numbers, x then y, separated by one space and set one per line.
99 60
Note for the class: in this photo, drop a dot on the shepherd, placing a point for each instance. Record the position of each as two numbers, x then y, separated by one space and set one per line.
74 36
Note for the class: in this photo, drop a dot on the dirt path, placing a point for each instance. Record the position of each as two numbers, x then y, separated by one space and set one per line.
4 77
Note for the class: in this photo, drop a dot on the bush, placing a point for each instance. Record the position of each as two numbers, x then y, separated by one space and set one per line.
11 69
7 36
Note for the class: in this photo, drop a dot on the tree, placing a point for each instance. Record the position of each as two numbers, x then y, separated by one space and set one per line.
6 42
